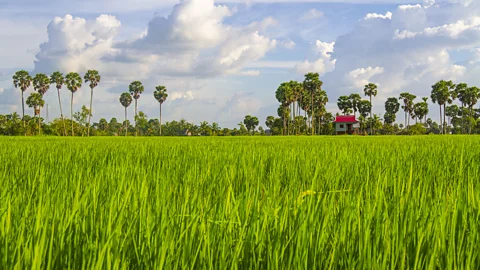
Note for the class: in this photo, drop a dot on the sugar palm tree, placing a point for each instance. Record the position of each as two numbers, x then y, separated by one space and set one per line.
125 100
22 80
93 78
73 82
370 90
58 79
41 84
136 89
160 95
282 94
355 100
312 84
35 101
442 94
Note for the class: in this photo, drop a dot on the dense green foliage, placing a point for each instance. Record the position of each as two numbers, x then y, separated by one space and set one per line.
226 203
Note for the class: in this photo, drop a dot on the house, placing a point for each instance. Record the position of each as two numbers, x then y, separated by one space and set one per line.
347 124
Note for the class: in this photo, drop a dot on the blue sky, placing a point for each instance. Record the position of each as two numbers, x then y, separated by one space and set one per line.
223 60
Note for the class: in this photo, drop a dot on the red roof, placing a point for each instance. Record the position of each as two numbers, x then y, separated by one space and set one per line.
346 119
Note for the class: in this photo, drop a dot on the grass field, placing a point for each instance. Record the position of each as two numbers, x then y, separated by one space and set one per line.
227 203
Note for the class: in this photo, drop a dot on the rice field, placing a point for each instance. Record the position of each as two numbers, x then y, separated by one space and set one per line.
240 203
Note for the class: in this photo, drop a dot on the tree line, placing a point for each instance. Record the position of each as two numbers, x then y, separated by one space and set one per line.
308 98
302 111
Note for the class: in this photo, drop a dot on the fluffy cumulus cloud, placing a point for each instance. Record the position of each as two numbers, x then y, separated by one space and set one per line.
324 63
406 49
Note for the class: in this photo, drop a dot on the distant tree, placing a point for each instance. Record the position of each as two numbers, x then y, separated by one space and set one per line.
392 106
160 95
22 80
136 89
251 122
364 108
93 78
58 79
125 100
41 84
35 101
407 106
345 105
355 100
420 110
442 94
283 93
73 82
215 128
312 84
470 98
370 90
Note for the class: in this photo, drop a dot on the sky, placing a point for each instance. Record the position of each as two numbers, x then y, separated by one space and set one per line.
222 60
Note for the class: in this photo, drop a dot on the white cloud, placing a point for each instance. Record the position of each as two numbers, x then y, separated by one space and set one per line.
311 15
362 76
371 16
323 64
288 44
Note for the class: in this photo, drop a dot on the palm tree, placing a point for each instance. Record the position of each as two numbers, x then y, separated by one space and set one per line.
22 80
73 82
312 84
391 107
370 90
136 89
215 128
344 104
58 79
470 97
442 94
460 90
160 95
41 84
35 101
92 77
425 100
355 100
407 106
297 89
125 100
282 94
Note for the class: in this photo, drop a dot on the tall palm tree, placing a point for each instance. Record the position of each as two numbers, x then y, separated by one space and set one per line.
41 84
370 90
22 80
58 79
92 77
283 94
425 100
312 84
321 100
442 94
471 96
136 89
344 104
460 90
355 100
160 95
125 100
407 106
73 82
35 101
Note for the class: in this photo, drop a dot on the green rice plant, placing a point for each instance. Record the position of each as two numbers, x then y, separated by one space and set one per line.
240 203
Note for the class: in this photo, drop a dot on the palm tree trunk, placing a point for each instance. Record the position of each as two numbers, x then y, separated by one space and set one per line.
160 121
294 122
371 108
71 114
284 121
61 113
90 114
441 130
444 118
136 118
39 123
23 115
406 126
470 120
125 123
312 122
